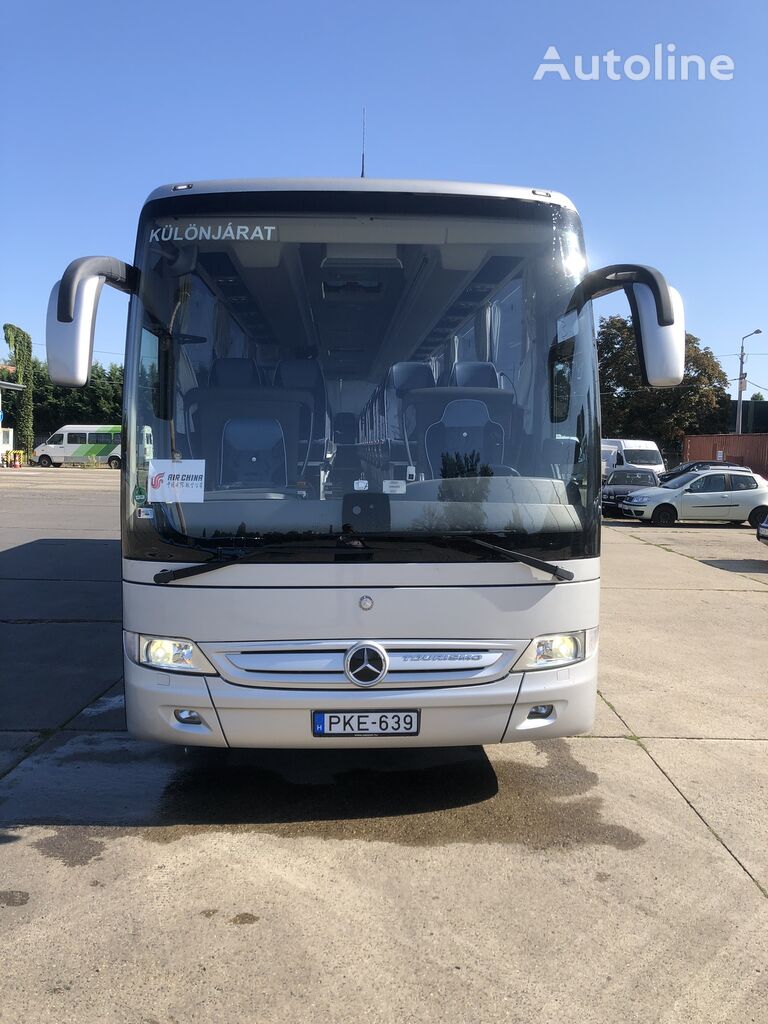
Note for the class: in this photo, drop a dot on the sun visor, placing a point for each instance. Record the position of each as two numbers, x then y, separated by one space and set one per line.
266 255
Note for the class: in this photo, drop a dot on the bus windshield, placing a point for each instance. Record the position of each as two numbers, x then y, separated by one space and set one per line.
378 385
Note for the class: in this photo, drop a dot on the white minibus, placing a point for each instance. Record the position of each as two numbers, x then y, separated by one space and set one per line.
81 443
370 511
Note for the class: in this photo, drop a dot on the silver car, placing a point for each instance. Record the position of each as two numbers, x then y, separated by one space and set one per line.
735 496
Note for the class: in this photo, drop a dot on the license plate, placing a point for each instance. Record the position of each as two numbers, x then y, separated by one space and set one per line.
365 723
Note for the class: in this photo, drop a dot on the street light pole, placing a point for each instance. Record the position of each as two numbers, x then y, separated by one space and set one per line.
742 381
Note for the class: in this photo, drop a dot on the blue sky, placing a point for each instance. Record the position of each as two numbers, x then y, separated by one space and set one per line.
102 102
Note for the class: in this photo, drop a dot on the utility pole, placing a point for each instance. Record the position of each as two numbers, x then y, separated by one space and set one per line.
742 379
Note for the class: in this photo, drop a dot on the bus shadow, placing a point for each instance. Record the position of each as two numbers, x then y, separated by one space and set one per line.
539 797
69 560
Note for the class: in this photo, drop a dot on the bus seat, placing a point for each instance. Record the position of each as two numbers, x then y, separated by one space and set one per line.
234 373
253 453
407 376
465 427
403 380
471 374
560 454
306 375
217 407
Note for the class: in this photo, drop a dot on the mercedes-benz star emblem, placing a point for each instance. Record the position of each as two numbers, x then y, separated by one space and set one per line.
366 602
366 663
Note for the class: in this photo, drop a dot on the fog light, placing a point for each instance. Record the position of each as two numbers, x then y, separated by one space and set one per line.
187 717
541 711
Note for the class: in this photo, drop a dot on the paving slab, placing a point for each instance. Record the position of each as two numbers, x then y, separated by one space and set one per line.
690 667
105 713
60 502
51 671
13 746
630 562
727 783
732 549
61 600
607 722
564 881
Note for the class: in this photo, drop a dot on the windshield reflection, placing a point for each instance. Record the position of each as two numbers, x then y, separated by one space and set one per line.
353 377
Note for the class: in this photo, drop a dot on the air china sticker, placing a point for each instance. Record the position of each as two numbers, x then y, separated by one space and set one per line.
176 481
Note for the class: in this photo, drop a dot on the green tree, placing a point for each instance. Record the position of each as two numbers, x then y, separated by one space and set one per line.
758 397
100 401
20 344
699 405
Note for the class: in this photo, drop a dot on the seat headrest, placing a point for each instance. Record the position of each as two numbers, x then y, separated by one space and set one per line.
465 412
301 374
234 373
406 376
470 374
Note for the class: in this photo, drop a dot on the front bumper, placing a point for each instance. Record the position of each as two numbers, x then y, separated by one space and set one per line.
636 511
611 507
239 716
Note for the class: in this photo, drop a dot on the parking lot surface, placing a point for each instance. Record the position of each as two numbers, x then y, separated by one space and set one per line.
617 877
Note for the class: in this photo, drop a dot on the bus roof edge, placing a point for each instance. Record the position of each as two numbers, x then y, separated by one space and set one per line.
458 188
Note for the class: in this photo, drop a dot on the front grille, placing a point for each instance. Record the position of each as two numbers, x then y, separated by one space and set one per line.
319 665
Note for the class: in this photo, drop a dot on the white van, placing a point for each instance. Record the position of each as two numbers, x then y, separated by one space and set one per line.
607 458
633 454
83 443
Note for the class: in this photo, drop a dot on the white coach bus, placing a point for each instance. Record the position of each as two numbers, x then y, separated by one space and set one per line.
370 511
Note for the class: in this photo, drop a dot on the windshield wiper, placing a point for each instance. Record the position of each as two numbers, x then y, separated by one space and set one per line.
518 556
220 560
217 562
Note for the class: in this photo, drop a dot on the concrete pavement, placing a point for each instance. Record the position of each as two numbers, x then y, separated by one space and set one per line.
616 877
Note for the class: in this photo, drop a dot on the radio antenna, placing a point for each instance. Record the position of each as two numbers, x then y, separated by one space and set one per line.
362 159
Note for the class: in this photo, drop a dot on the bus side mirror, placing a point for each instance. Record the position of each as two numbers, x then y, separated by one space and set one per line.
657 314
72 315
661 347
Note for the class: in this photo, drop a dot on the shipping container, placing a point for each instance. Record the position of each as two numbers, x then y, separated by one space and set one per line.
745 449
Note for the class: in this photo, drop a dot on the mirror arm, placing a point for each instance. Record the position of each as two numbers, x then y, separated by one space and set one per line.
621 276
122 276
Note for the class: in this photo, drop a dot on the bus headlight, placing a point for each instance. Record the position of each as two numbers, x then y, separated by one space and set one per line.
173 655
558 650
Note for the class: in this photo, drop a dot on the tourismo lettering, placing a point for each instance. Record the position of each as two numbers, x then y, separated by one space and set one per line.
224 232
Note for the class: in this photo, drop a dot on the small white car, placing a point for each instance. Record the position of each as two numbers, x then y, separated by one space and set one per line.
735 495
762 531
